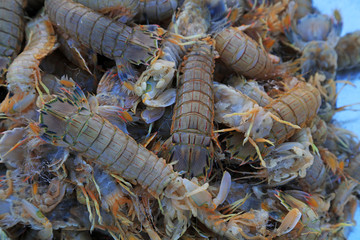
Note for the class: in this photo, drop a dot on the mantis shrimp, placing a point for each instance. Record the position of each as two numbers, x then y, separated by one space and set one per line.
67 121
23 76
243 54
316 35
118 41
192 126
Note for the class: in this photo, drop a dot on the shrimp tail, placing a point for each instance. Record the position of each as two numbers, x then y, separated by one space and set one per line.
192 159
52 114
60 109
143 48
125 71
73 92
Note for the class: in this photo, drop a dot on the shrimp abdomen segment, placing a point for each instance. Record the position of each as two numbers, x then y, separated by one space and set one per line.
298 106
11 31
243 54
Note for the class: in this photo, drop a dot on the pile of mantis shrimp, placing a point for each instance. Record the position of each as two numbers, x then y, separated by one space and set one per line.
174 119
